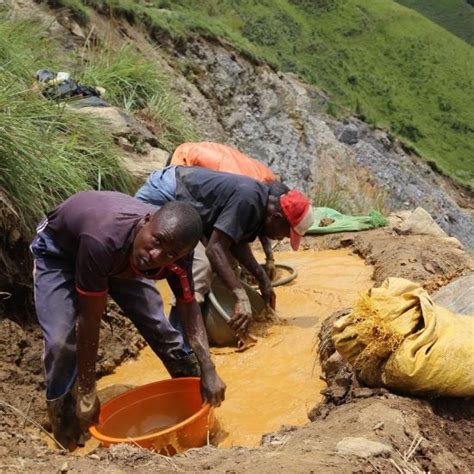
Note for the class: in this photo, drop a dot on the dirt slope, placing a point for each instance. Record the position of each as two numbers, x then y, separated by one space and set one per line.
445 427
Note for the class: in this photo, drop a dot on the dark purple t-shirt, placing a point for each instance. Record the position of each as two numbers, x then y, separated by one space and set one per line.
96 228
232 203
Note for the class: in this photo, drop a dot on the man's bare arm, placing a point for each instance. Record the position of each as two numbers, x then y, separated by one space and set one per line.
243 253
219 254
212 387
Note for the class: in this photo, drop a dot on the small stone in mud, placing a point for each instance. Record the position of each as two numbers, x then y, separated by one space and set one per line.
362 448
363 392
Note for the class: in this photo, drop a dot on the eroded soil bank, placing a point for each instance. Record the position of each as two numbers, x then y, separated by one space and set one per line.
391 419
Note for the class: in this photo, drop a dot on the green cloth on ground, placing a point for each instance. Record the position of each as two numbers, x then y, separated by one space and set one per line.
343 222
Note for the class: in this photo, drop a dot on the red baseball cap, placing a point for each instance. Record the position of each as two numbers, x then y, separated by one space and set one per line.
299 214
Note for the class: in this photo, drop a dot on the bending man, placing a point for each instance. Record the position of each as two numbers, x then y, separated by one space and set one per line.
234 210
227 159
105 243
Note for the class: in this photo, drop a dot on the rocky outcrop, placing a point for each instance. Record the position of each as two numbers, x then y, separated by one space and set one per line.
120 124
348 134
278 119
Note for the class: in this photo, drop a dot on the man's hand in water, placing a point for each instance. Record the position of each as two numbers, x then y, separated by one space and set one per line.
266 289
270 268
212 388
242 316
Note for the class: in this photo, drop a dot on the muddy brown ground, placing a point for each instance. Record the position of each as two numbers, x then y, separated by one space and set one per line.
445 426
442 430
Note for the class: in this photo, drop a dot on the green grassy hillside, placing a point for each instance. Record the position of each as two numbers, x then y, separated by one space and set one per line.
375 58
457 16
49 151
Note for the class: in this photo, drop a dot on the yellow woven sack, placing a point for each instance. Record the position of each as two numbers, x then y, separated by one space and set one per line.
395 336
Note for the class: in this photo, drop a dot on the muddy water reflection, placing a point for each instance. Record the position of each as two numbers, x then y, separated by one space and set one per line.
275 382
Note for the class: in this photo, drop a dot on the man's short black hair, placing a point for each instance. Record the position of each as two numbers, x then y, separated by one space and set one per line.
187 224
277 189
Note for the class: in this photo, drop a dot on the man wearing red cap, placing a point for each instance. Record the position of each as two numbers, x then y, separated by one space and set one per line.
234 211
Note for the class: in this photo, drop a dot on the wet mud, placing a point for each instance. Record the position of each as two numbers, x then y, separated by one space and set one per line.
395 420
277 381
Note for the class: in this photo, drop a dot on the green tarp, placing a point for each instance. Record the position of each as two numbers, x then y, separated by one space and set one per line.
333 221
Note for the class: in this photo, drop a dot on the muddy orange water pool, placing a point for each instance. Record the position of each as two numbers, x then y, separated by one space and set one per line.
277 381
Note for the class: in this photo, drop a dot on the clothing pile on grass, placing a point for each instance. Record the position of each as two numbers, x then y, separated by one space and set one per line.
329 221
397 337
60 86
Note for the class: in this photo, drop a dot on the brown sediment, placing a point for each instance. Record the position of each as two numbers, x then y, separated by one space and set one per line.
275 382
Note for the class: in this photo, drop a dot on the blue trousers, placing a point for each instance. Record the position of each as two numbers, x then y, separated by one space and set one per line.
56 308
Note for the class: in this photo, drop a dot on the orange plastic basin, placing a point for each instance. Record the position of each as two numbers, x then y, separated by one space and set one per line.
167 416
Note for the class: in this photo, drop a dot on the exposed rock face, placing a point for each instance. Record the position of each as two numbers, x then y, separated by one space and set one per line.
276 118
410 182
268 115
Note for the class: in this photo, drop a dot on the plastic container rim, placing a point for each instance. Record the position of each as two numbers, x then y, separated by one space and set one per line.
108 439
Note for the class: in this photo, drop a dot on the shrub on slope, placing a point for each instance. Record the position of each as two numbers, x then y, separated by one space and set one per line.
457 16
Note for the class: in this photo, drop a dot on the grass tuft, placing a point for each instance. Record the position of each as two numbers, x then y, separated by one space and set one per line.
166 118
127 76
346 200
47 151
137 85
